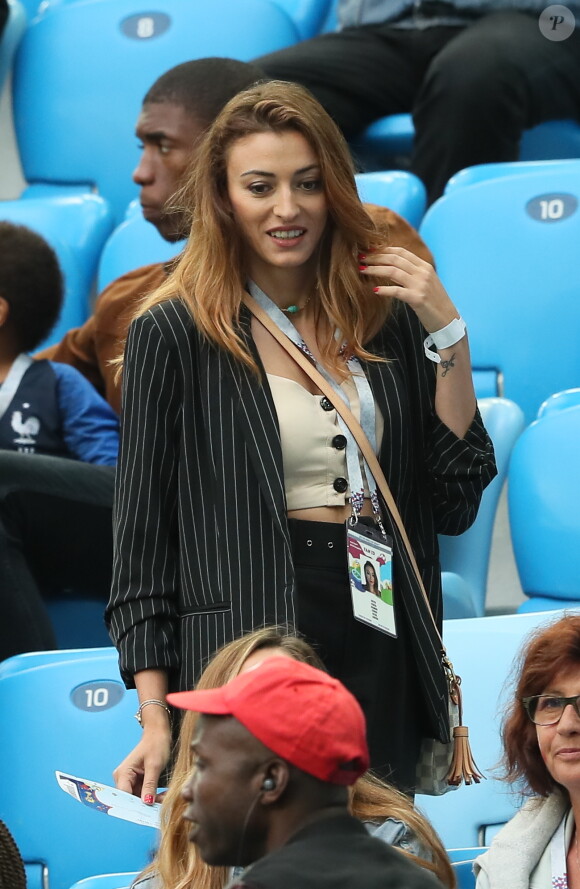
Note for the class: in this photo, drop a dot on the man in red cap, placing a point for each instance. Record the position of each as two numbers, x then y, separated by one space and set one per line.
276 749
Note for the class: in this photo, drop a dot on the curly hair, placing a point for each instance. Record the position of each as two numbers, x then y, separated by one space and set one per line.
31 283
12 873
548 651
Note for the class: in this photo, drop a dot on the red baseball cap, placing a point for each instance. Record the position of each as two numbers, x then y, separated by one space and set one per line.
300 713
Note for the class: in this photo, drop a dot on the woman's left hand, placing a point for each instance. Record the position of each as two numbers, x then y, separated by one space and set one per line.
413 281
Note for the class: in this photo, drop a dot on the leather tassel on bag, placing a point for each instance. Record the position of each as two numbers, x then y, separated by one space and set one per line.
463 767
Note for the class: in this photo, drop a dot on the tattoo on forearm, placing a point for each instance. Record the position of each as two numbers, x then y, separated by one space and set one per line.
447 365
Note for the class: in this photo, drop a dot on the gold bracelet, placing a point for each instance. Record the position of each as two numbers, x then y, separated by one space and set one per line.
151 701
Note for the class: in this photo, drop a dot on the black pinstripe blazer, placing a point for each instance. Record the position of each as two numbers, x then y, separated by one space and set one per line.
202 549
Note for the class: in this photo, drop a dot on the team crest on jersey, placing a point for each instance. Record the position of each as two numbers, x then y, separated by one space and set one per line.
26 431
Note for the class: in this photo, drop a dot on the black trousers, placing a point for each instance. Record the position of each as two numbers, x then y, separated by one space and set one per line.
3 15
376 668
55 535
472 90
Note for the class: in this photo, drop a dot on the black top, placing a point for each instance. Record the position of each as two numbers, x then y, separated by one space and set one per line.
339 853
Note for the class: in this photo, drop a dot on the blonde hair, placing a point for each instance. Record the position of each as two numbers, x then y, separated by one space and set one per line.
177 863
210 275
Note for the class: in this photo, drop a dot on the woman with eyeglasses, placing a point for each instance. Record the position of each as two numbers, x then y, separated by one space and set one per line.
538 848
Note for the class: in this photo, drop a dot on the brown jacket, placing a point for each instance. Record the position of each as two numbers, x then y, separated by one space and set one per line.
91 347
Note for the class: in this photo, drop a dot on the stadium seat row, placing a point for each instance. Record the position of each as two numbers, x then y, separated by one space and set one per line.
77 700
74 55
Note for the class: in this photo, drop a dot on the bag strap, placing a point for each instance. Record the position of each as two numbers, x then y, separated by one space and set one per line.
357 431
463 767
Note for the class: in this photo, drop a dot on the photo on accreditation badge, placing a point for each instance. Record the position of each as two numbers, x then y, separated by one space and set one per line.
371 582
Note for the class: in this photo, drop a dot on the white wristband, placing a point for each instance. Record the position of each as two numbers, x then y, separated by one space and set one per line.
444 338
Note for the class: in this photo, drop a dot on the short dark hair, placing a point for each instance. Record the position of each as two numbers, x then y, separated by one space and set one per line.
203 86
31 282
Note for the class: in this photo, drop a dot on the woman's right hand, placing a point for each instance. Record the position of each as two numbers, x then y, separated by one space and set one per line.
140 771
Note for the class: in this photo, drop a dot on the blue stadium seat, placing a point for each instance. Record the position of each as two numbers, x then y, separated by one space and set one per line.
481 172
464 874
76 228
82 71
506 252
465 558
78 622
392 137
554 139
135 242
331 21
308 15
30 7
400 191
386 138
11 36
465 853
543 497
482 651
66 711
106 881
560 401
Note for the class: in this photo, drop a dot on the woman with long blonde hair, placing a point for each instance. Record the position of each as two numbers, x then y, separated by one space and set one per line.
387 811
236 477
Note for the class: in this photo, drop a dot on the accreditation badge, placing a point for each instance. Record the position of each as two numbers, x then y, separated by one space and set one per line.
370 573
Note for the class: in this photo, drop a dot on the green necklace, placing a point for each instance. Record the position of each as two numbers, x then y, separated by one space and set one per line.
292 310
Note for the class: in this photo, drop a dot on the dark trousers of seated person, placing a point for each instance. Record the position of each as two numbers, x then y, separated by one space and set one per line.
3 15
55 537
472 90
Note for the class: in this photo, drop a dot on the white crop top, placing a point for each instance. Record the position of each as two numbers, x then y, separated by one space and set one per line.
313 446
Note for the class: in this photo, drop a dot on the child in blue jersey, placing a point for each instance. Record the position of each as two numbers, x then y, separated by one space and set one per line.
45 407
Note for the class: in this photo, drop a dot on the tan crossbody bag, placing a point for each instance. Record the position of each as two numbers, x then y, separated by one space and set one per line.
442 766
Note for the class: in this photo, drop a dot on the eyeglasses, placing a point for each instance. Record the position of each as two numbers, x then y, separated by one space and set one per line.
548 709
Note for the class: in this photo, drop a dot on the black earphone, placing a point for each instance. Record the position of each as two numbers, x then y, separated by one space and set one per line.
269 784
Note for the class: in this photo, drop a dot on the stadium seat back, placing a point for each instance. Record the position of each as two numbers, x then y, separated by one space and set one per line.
396 189
560 401
82 71
69 711
467 555
106 881
134 243
543 497
308 15
392 137
506 252
481 172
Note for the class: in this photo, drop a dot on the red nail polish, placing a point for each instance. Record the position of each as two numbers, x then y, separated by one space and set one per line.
375 289
362 267
362 256
148 799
